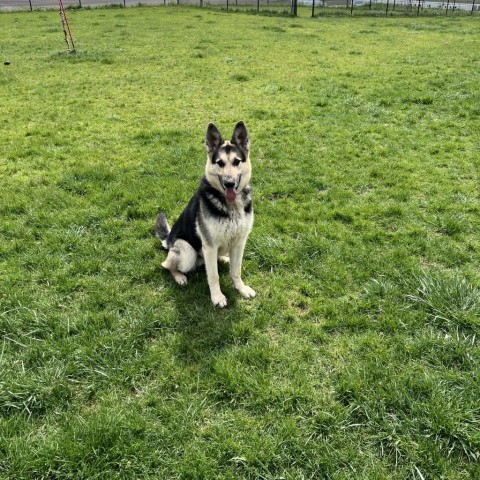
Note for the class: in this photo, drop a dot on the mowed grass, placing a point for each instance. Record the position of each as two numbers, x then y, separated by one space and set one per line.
359 357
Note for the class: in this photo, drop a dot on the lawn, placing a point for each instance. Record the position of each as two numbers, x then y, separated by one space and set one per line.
359 357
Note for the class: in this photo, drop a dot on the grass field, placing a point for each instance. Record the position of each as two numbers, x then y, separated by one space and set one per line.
358 359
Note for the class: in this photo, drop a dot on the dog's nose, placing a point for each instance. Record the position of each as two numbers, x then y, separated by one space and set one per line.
229 183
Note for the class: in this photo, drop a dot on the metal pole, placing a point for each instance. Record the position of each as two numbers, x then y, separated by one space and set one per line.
386 11
31 9
313 8
351 8
473 7
448 3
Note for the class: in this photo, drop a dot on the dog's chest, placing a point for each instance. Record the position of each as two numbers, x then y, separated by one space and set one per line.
229 227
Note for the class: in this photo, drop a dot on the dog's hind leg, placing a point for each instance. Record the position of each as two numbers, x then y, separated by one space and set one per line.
223 255
181 259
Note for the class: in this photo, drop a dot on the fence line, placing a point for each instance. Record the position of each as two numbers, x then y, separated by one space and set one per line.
405 6
318 7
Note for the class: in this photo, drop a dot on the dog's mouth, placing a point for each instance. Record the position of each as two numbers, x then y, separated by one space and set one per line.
230 195
229 191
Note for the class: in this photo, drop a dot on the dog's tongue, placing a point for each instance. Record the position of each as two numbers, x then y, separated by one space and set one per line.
230 195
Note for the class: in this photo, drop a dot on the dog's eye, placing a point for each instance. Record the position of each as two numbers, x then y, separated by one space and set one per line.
221 163
236 162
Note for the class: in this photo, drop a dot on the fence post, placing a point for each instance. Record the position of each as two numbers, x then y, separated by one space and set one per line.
446 10
351 7
313 8
473 7
31 9
386 11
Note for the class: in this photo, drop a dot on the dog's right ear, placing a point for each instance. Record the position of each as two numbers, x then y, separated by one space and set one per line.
214 138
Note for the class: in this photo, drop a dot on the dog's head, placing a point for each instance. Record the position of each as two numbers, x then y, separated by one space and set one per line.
228 163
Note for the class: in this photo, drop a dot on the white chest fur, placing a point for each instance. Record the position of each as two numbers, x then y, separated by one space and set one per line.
223 231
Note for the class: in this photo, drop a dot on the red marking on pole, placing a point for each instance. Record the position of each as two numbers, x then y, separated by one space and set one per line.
64 15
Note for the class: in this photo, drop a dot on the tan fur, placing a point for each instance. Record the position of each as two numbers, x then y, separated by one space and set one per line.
240 174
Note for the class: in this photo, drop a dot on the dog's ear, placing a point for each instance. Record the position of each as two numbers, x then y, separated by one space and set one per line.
240 136
214 138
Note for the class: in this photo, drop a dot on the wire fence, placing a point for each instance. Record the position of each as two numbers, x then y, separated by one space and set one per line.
291 7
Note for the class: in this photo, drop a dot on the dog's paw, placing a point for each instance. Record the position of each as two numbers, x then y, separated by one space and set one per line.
180 278
219 300
247 292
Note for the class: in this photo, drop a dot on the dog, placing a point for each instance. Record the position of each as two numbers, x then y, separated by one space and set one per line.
217 220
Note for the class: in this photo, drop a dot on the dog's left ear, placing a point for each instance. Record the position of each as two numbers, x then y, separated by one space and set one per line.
240 136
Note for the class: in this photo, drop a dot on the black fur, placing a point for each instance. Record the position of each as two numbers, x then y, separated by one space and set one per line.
247 198
212 206
228 149
185 227
161 227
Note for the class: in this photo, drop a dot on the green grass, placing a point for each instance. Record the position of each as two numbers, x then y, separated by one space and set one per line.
359 357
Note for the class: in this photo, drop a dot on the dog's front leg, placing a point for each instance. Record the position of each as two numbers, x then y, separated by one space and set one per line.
210 256
236 256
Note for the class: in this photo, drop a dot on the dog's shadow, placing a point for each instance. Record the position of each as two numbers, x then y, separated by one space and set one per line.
203 328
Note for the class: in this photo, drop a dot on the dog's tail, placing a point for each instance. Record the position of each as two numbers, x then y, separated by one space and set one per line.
162 229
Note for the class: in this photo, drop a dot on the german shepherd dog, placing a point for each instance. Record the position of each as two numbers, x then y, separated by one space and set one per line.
217 220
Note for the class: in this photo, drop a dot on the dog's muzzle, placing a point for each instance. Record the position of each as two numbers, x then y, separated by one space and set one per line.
230 187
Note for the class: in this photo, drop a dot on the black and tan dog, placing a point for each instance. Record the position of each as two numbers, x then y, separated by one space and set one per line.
218 218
